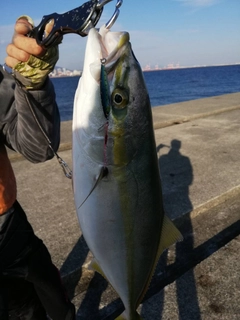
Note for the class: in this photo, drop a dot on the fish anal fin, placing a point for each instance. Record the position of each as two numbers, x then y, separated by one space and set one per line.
169 235
96 267
123 316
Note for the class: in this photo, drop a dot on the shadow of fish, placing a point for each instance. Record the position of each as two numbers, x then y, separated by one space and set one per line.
116 181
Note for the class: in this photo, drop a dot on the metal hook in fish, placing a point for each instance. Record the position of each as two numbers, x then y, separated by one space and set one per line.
115 15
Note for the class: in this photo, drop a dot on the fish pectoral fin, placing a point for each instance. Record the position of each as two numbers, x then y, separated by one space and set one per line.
123 316
95 266
103 173
170 234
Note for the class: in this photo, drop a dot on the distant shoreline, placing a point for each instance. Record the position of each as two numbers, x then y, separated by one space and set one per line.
192 67
65 76
158 69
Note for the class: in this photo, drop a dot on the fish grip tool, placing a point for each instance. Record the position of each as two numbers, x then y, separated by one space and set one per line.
79 21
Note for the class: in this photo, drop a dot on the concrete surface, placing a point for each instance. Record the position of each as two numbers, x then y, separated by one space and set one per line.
198 144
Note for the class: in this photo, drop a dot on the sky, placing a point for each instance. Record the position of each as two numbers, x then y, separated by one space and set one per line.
162 32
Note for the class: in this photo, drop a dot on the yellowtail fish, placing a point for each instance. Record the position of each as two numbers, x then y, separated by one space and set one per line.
116 181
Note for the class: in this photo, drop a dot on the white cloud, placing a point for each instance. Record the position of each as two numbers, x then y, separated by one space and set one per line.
198 3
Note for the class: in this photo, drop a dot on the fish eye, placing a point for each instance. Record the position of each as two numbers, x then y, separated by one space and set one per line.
119 98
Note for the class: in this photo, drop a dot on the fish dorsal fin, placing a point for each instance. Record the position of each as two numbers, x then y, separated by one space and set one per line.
103 173
169 235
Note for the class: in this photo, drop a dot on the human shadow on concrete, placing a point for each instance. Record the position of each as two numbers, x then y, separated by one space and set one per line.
89 308
72 266
92 288
177 176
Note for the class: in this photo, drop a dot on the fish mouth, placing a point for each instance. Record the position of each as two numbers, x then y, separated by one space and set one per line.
111 44
110 47
105 78
114 45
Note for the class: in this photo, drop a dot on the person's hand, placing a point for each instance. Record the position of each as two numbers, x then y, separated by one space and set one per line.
30 62
22 47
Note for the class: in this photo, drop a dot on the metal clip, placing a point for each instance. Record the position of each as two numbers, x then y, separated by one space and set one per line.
67 171
79 20
115 15
102 3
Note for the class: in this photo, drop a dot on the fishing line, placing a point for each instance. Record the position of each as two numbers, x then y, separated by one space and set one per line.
66 170
105 144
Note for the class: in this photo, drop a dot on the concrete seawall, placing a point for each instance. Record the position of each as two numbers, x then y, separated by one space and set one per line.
198 145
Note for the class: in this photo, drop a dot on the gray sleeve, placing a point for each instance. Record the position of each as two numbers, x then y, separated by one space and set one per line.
20 113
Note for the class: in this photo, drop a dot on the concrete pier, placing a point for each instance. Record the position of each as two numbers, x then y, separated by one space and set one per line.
198 145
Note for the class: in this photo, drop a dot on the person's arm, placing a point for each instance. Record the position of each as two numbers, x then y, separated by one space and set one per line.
19 126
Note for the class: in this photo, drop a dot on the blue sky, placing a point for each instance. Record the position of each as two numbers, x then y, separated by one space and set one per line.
162 32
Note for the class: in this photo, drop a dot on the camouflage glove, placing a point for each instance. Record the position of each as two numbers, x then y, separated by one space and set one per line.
33 73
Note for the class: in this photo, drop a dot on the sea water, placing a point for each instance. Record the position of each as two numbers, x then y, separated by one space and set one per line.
165 86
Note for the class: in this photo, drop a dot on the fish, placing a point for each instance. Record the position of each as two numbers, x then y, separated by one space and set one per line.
116 180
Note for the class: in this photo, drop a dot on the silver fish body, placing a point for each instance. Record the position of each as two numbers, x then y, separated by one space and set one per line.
116 181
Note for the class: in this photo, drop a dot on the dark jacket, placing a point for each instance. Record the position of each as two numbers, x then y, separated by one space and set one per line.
18 127
23 256
29 120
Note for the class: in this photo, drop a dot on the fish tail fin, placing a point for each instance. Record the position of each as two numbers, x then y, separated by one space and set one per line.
123 316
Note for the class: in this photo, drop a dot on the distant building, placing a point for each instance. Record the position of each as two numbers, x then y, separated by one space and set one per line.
63 72
77 73
147 68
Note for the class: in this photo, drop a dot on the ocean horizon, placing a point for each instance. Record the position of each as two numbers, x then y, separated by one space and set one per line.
64 72
165 86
